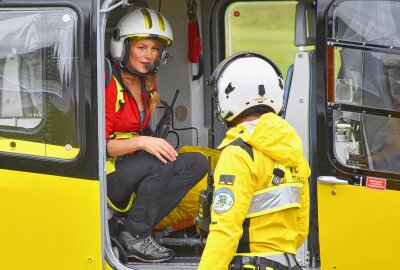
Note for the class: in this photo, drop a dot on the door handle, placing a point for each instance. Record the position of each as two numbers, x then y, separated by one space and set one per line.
331 180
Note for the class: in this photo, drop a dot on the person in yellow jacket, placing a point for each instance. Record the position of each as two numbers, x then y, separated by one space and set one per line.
260 209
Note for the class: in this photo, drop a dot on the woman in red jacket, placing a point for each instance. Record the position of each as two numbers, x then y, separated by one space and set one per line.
142 164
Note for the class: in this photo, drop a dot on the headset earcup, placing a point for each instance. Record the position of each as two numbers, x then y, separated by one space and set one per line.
116 49
125 52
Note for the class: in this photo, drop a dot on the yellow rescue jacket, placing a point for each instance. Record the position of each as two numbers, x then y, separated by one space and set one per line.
250 214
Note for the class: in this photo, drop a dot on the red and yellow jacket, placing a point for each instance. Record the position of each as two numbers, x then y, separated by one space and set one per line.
122 112
122 115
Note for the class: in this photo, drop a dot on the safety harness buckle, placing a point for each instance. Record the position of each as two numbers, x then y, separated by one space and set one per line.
259 263
255 261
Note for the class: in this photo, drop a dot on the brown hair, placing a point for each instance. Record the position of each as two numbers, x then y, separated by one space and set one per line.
150 83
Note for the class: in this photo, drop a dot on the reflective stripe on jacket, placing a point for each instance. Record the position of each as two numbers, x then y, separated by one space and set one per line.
120 95
110 163
274 199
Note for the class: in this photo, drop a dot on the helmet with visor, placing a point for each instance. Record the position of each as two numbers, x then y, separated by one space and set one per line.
243 81
141 23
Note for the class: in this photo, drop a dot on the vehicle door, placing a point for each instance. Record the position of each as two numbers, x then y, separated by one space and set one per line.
358 127
49 188
283 31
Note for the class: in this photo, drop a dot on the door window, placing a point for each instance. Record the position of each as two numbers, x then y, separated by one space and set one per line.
39 82
266 28
364 84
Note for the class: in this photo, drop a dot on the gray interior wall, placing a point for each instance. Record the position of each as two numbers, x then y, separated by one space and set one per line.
177 74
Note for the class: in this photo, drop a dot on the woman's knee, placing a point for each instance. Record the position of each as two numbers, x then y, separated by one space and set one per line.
198 163
163 168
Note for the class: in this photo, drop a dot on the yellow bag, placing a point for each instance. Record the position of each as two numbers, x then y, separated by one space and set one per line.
184 214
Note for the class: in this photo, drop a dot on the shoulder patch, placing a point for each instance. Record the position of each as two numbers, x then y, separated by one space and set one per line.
223 200
226 179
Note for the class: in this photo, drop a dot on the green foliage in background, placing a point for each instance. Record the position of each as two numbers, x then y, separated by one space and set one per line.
265 28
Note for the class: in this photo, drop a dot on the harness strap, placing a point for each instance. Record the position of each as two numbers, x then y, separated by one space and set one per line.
128 206
258 263
120 87
263 264
120 103
237 263
288 261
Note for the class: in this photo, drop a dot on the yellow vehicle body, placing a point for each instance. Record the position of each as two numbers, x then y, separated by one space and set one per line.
53 152
357 227
28 235
37 148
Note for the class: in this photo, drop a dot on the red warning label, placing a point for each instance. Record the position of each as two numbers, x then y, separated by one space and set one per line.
375 183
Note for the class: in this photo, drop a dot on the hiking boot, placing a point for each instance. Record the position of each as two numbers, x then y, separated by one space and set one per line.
144 249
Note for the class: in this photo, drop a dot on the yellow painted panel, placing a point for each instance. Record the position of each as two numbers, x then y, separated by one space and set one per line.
38 149
21 147
358 228
107 266
49 222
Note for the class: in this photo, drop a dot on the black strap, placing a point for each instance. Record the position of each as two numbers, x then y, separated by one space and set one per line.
260 263
272 264
143 89
288 261
237 263
263 264
244 145
117 73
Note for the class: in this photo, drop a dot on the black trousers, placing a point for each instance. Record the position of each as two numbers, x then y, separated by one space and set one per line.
159 187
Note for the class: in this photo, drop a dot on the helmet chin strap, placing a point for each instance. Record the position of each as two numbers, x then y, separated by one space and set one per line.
152 70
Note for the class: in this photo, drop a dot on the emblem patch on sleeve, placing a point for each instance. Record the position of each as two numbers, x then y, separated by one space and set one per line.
223 200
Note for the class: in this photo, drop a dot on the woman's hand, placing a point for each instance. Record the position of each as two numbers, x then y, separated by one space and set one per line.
158 147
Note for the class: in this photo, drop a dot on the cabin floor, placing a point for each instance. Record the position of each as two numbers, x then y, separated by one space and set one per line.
186 259
179 263
188 250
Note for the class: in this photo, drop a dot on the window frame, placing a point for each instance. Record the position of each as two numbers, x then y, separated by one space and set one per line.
86 164
333 105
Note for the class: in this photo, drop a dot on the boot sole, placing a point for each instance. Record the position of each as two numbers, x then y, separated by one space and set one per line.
149 260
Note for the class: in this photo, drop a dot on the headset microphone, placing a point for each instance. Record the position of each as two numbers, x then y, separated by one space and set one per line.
150 67
153 68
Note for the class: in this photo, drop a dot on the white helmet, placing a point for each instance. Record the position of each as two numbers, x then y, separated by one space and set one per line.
141 23
245 80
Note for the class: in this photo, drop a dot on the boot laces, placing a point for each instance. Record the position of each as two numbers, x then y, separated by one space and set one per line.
152 245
